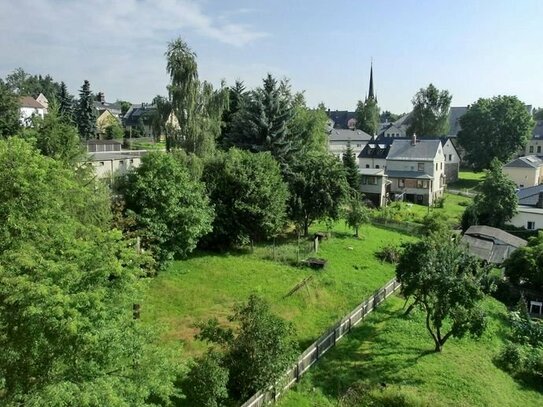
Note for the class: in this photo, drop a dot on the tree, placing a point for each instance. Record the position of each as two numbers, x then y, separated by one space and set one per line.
67 285
351 168
196 105
263 124
389 117
494 128
125 106
25 84
357 214
248 194
526 264
207 380
430 112
171 210
259 352
538 114
445 282
236 104
85 114
114 131
496 202
318 187
65 104
55 137
308 127
367 116
9 112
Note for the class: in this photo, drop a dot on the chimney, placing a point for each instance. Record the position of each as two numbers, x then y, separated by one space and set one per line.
101 97
413 139
539 203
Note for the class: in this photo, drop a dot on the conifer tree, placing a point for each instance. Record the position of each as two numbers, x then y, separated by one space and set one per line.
65 104
351 168
85 115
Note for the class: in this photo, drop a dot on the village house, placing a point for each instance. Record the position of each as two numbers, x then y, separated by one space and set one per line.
525 171
339 139
535 145
29 108
530 208
373 183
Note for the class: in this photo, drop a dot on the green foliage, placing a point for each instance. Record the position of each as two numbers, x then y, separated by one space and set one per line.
367 116
114 131
55 137
65 104
171 210
444 280
389 117
9 112
430 112
526 264
125 106
496 202
357 214
196 105
260 352
436 225
494 128
67 285
248 194
206 382
263 123
236 104
389 253
85 114
318 187
25 84
308 127
351 168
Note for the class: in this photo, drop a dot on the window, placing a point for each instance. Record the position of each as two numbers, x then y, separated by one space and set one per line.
436 166
530 225
450 157
422 184
441 165
377 166
372 180
538 149
531 149
359 145
420 167
121 162
367 166
101 163
401 182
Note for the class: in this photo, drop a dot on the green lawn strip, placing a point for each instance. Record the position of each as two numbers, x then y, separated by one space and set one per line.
467 180
396 351
208 285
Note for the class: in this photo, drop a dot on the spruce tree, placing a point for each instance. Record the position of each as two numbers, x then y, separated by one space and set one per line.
85 115
65 104
351 168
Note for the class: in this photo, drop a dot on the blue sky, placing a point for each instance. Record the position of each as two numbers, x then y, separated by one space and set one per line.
472 48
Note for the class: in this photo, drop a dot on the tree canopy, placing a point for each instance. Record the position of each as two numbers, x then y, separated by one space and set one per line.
9 111
367 116
430 112
351 168
86 114
318 187
445 282
171 210
494 128
25 84
496 202
526 264
67 285
248 194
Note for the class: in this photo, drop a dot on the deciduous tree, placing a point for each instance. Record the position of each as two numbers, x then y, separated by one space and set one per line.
494 128
207 380
526 264
248 194
357 213
367 116
171 210
430 112
444 281
9 112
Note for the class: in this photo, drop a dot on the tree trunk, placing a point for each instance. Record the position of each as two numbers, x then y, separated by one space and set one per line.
356 232
409 309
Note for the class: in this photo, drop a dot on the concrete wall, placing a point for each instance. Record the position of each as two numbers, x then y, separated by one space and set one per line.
106 169
372 163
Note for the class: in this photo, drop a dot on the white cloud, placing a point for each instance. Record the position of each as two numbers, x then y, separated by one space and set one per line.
118 44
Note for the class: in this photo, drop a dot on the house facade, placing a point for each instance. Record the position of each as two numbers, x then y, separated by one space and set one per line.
29 108
416 170
111 164
525 171
535 145
374 154
530 208
373 183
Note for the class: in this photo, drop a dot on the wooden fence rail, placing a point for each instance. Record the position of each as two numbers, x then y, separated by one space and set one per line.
318 348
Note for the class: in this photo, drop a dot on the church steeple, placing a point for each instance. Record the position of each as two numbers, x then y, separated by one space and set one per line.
371 94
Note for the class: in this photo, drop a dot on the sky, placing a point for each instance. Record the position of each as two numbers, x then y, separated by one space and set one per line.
472 48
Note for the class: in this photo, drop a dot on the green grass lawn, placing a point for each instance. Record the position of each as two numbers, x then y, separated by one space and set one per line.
208 285
388 348
467 180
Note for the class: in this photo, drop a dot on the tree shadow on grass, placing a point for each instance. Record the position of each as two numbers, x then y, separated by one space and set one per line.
366 355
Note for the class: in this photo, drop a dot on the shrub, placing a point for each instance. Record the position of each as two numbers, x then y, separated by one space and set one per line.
389 253
511 358
206 381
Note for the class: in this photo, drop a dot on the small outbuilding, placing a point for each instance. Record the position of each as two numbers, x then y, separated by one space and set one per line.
491 244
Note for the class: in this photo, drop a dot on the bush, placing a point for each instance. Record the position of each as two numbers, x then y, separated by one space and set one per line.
439 202
511 358
389 253
206 381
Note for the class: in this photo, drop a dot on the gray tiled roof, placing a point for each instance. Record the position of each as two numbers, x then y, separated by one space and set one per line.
496 235
529 196
423 150
529 161
352 135
341 118
408 174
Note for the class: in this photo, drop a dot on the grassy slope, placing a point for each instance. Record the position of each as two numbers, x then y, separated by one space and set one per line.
467 180
387 348
207 285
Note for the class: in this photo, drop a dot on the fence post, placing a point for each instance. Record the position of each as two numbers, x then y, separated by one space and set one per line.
335 329
350 324
317 351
